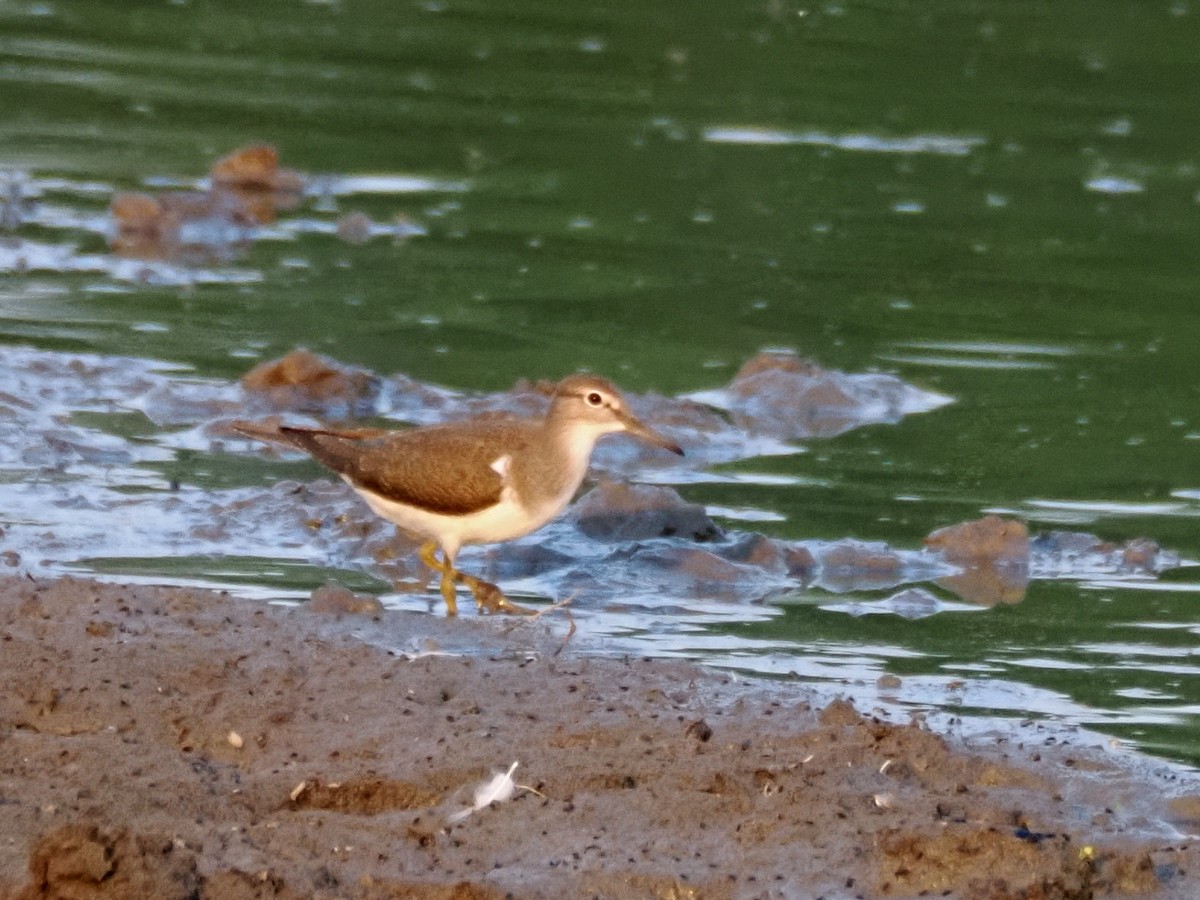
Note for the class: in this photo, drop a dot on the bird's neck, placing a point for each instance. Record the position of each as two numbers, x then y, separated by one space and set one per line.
563 465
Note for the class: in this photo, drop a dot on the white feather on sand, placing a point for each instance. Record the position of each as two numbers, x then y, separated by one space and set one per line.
500 788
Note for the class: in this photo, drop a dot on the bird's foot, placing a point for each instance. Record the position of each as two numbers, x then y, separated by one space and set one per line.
487 595
491 598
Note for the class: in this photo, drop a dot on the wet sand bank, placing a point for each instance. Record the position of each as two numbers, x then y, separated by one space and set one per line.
173 742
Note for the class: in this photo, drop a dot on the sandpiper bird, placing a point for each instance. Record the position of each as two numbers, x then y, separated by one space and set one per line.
475 481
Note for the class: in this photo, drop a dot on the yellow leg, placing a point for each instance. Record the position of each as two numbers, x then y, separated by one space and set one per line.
429 557
487 595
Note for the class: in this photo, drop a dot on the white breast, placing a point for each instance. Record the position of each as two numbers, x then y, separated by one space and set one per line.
501 522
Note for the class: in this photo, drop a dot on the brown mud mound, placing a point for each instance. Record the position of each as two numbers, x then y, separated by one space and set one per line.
170 743
304 381
362 797
79 861
994 864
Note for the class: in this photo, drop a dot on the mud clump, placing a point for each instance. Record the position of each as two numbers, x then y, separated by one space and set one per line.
191 227
334 599
253 175
183 226
995 554
256 168
995 864
989 540
303 381
955 857
79 861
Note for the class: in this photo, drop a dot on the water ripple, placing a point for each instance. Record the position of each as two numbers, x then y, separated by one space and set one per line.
936 144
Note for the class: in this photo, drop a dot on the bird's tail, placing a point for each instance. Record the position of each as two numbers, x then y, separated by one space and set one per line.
291 434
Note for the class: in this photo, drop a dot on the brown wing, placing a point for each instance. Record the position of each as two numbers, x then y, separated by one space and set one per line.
443 469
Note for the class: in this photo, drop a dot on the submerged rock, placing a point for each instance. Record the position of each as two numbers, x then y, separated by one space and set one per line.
1141 553
801 564
523 560
910 603
17 199
846 574
861 557
354 227
1069 544
183 226
913 603
760 551
617 511
780 394
335 599
1057 552
853 565
681 572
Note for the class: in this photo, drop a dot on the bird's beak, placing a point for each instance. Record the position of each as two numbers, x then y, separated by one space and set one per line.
640 429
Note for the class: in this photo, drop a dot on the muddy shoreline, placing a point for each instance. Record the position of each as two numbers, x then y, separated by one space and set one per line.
169 742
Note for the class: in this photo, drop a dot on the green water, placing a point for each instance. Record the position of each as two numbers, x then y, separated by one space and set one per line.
996 200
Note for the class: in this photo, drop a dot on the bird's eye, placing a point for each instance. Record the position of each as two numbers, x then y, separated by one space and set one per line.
594 399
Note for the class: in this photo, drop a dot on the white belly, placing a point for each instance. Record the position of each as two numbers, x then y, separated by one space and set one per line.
502 522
